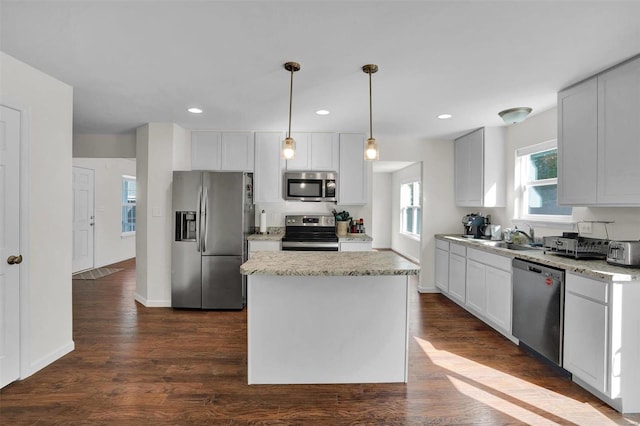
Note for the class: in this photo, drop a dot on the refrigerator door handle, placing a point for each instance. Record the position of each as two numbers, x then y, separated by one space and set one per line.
205 203
199 220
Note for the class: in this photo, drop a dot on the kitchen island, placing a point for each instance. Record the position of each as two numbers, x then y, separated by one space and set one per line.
327 317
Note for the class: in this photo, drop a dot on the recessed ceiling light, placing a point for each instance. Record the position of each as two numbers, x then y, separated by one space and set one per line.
194 110
444 116
322 112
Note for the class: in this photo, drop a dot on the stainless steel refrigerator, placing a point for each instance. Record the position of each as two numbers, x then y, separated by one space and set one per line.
213 213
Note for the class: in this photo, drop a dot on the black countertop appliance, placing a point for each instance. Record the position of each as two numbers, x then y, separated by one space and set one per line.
475 225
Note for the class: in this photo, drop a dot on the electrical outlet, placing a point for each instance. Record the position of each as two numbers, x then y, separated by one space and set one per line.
585 228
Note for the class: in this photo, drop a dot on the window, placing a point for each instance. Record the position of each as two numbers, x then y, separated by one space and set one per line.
410 208
128 205
539 183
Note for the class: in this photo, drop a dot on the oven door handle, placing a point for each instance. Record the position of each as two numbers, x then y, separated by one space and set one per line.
306 244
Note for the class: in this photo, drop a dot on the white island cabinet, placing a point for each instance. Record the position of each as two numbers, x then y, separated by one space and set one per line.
323 317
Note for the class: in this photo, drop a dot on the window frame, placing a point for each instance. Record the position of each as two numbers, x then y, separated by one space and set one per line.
522 184
127 178
414 207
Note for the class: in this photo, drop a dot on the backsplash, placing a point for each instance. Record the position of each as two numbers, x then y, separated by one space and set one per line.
276 212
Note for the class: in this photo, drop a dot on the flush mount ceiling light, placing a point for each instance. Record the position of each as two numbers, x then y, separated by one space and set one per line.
194 110
322 112
288 144
515 115
371 151
445 116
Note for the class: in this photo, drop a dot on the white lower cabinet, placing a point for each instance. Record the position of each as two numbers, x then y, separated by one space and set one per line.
457 272
442 265
477 280
476 286
355 246
585 330
601 339
489 294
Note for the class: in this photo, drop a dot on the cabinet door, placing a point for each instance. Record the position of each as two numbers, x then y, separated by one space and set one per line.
469 169
324 152
578 144
585 340
302 161
267 179
205 150
476 287
619 135
442 270
498 298
457 277
353 170
236 151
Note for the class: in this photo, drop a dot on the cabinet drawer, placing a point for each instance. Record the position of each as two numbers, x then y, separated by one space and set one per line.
442 245
497 261
458 249
586 287
264 245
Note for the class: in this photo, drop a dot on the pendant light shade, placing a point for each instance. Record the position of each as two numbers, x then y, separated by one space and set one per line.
515 115
289 144
371 151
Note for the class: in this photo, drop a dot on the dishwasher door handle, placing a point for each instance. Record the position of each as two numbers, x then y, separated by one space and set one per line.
534 269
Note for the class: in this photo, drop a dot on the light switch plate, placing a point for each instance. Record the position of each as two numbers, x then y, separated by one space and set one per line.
156 212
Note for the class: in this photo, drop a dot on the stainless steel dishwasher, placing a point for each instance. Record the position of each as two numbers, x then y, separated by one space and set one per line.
538 308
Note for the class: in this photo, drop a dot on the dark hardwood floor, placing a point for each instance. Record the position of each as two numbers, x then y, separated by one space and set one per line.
136 365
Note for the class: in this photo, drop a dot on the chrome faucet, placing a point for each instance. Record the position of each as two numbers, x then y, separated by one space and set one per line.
530 235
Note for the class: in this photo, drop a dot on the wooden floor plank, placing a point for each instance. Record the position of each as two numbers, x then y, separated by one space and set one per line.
136 365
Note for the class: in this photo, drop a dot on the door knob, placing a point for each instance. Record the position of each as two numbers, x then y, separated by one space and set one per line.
11 260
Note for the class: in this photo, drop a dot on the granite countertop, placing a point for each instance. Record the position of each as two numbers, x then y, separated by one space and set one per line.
274 233
593 268
299 263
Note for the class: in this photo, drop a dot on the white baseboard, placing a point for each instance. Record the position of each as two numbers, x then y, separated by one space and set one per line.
428 289
152 303
41 363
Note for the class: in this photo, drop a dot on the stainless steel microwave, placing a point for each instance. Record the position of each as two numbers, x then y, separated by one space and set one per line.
310 186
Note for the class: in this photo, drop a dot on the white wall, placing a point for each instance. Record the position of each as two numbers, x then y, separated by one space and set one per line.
401 243
439 213
380 228
110 245
154 155
104 146
540 128
47 265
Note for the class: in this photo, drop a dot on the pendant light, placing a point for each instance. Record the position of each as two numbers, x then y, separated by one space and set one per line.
371 151
288 144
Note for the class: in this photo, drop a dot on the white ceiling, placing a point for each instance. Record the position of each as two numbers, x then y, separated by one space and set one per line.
136 62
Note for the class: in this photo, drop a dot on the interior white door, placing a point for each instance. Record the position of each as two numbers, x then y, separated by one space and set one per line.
10 258
83 218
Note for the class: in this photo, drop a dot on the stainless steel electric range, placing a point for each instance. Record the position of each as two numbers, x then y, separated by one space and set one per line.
310 233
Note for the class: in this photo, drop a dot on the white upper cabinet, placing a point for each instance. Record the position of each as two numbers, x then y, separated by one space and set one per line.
269 167
480 168
619 135
599 139
353 171
578 143
222 151
315 151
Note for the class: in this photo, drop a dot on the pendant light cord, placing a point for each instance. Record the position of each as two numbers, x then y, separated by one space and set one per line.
370 107
290 102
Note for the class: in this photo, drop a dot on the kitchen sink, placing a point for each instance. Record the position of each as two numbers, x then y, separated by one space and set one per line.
510 246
